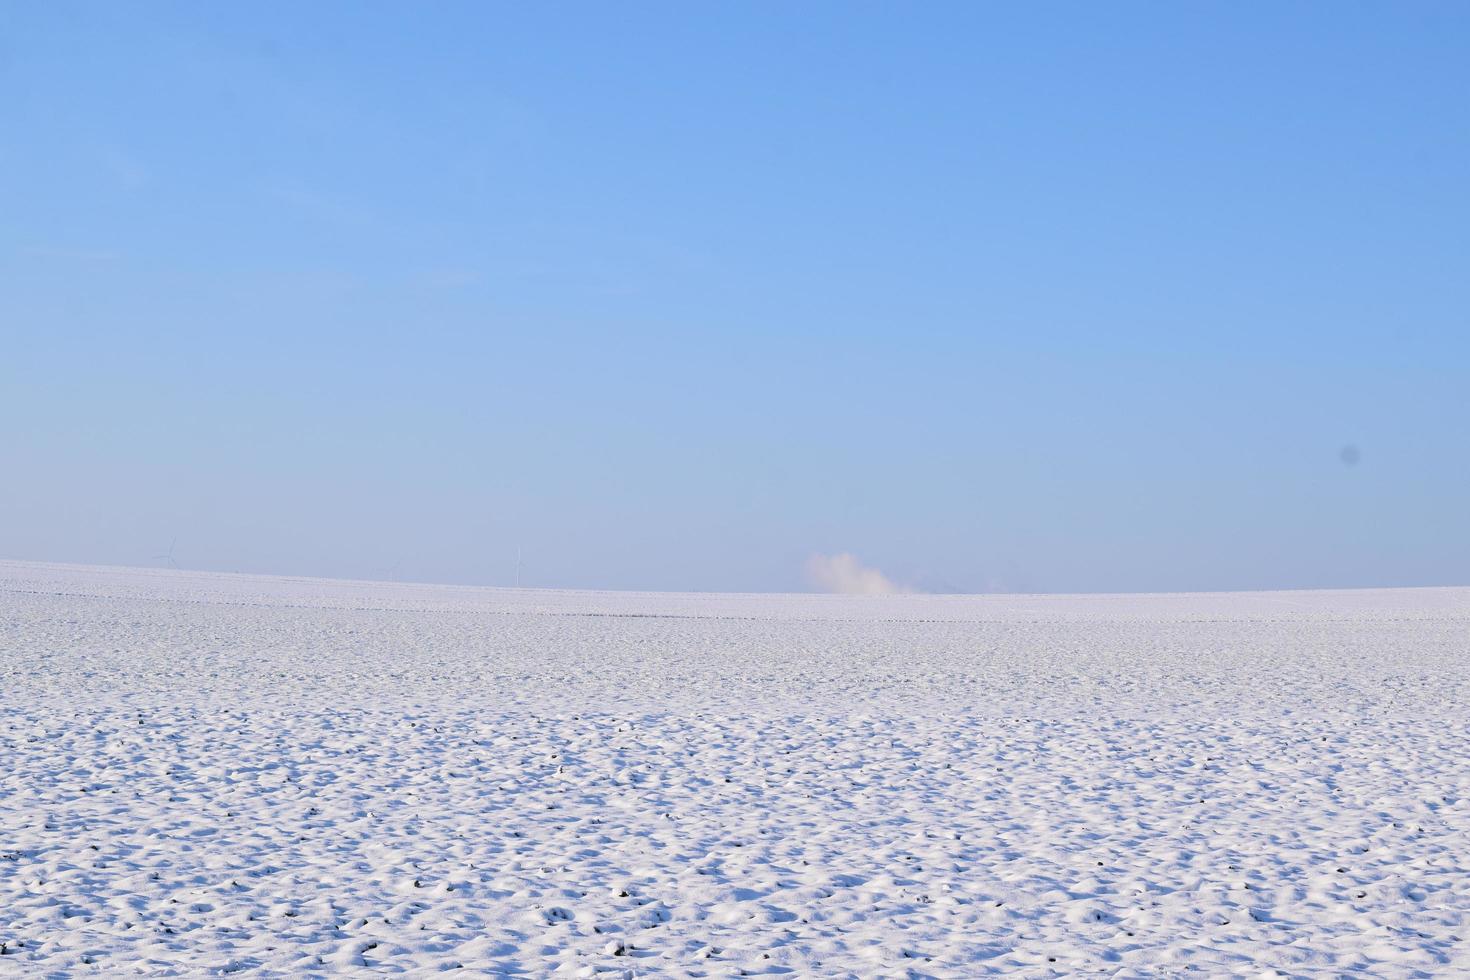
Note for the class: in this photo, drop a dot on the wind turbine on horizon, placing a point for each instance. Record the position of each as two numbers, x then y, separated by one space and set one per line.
168 555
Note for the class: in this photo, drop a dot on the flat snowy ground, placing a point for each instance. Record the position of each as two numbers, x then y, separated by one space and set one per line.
210 773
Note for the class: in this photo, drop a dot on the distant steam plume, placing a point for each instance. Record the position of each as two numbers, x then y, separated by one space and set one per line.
845 575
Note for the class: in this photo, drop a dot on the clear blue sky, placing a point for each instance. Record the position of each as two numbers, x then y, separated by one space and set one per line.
1044 297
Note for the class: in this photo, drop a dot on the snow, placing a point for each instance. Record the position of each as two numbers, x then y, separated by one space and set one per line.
210 774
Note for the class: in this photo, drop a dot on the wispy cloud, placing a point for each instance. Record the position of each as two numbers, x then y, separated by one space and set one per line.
66 254
124 167
448 277
845 575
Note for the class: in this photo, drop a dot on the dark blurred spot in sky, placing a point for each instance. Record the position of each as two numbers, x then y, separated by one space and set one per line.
1349 455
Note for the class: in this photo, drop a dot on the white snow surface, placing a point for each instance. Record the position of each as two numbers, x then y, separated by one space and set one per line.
208 774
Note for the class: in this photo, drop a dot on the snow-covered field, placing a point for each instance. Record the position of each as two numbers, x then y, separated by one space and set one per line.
209 773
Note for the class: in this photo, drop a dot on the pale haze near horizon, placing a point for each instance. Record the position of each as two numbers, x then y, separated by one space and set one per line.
741 298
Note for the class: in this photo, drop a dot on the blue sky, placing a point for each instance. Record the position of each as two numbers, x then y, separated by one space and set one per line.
1031 297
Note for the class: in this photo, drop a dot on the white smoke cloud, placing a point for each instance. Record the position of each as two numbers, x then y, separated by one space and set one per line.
845 575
